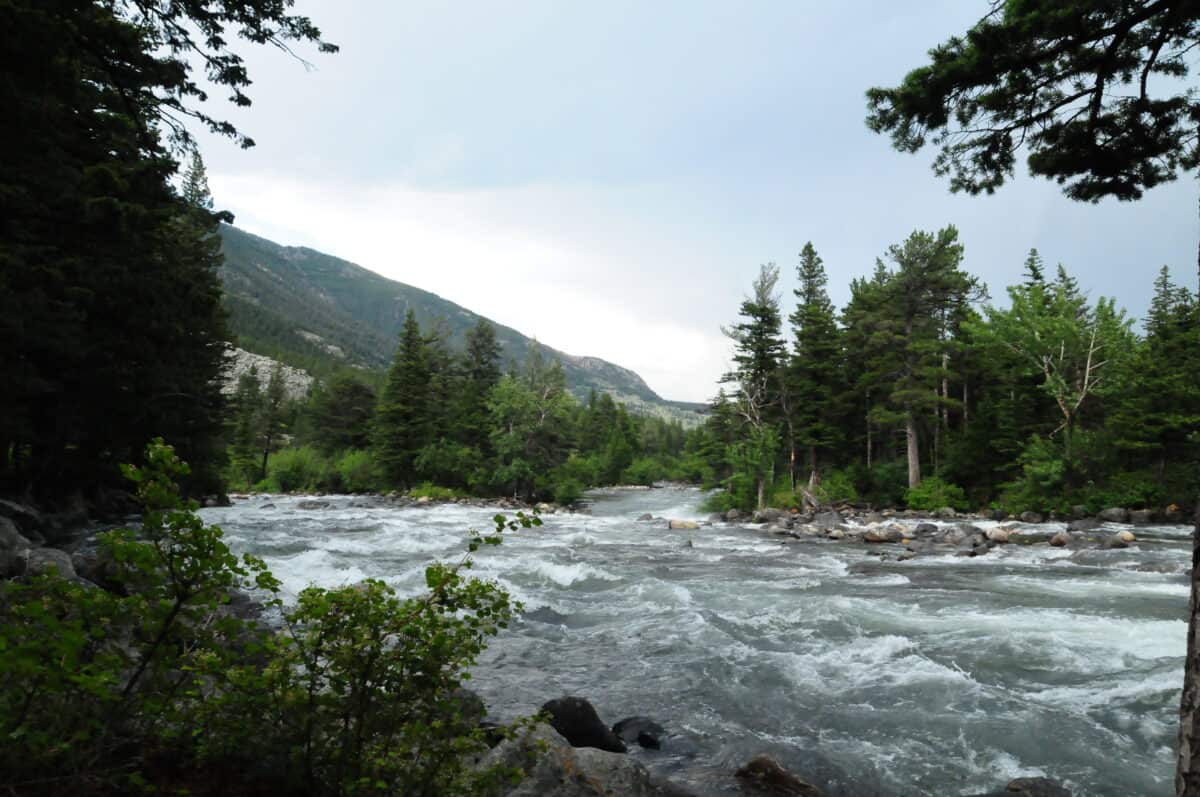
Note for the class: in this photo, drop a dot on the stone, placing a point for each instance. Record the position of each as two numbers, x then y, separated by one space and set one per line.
999 514
906 555
1114 515
998 535
1126 536
313 505
1078 512
644 517
766 776
14 547
1062 539
42 560
576 719
1141 517
827 520
1114 541
643 731
946 513
768 515
26 518
683 524
1031 517
1036 787
925 528
836 534
888 534
552 768
873 519
733 515
1082 524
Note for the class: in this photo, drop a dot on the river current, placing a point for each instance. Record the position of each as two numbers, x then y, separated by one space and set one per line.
867 676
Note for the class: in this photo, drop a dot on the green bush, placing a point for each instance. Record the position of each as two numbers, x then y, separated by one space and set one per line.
645 471
933 493
300 469
154 685
883 484
836 486
567 492
1042 485
435 493
718 501
358 471
1132 490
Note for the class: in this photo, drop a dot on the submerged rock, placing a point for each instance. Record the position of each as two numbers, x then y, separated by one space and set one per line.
1082 524
644 517
313 505
1114 541
640 730
576 719
766 776
1062 539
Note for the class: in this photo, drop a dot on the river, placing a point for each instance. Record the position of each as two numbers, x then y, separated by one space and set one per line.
936 676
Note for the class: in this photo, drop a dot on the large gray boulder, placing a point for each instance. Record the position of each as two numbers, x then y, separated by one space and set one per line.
1141 517
577 721
1031 517
14 547
827 520
1114 515
552 768
642 731
886 534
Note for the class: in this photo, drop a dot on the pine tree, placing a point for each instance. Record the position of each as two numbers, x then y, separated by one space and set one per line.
195 184
402 423
929 290
480 368
341 413
758 357
813 375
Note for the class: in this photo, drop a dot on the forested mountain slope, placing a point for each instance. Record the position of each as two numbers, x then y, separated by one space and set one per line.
313 310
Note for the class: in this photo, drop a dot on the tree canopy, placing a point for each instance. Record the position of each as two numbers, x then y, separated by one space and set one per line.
1093 90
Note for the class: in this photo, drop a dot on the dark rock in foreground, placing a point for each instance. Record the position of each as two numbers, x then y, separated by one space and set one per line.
1030 787
577 721
765 776
554 769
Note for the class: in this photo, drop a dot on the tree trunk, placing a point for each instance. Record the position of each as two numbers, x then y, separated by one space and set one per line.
914 450
1187 771
762 493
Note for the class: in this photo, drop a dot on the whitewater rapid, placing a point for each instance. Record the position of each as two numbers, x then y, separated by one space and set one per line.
940 675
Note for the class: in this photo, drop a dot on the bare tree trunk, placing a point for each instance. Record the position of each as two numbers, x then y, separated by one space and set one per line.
914 449
966 415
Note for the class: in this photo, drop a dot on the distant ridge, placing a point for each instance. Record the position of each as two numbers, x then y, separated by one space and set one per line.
313 311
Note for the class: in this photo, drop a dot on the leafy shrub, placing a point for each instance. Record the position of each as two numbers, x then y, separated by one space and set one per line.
358 471
645 471
435 493
883 484
836 486
567 492
154 683
718 501
1041 487
1133 490
933 493
300 469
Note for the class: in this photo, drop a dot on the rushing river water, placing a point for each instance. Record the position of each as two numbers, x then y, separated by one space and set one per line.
936 676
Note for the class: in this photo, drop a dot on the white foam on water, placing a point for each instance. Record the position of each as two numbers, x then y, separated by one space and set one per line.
563 574
313 568
1129 585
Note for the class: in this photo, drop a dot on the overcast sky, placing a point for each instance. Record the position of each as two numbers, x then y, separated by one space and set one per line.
607 177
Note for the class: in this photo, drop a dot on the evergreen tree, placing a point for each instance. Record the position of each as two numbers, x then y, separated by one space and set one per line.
758 356
480 368
813 376
403 422
531 415
928 290
195 184
341 413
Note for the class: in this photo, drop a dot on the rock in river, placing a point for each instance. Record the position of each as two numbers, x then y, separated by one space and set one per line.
764 775
553 769
642 730
683 524
1114 515
577 721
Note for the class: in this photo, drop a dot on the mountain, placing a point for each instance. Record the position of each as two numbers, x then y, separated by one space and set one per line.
315 311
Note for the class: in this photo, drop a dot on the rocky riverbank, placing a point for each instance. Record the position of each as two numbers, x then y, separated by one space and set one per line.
908 534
